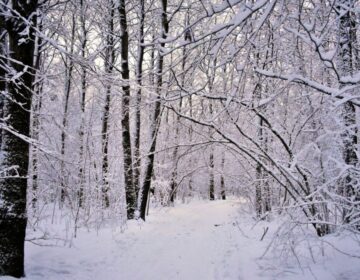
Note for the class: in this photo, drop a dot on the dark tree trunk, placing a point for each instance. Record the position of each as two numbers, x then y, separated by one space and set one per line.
15 150
212 181
109 65
156 117
105 149
125 121
222 179
34 155
139 73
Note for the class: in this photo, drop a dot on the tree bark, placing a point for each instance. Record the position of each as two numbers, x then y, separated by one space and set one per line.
15 150
125 121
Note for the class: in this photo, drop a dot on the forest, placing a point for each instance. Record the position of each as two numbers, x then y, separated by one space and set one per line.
110 109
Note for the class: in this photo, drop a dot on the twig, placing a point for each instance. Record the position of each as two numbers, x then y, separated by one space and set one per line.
265 231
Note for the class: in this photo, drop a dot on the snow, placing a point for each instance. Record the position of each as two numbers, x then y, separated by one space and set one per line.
200 240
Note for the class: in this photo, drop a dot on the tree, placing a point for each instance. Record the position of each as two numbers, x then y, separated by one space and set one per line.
156 119
139 81
109 65
15 145
84 39
69 68
36 110
125 121
348 66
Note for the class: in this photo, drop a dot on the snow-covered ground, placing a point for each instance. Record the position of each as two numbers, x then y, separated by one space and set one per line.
196 241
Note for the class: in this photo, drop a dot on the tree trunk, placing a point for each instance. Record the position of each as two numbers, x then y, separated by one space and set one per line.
15 149
125 121
212 181
190 185
173 184
36 107
139 73
222 179
211 157
82 105
258 193
156 117
109 65
347 65
68 79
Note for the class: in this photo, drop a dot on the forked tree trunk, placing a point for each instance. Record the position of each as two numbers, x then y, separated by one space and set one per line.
156 116
15 149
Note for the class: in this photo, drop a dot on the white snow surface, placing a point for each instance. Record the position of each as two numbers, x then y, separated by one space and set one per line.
195 241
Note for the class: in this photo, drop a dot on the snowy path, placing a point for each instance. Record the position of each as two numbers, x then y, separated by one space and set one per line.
197 241
189 243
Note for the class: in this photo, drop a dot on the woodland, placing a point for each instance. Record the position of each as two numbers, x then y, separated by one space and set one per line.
110 108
